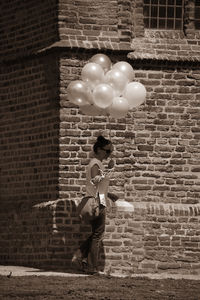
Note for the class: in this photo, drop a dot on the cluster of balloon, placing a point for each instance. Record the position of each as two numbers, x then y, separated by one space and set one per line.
106 89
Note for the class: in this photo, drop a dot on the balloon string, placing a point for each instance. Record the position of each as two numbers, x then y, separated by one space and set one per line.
109 128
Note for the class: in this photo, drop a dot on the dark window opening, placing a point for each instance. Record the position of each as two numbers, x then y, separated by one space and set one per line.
164 14
197 14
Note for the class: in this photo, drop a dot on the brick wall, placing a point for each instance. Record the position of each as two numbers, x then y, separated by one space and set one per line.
27 27
156 145
26 236
29 123
29 131
77 131
171 239
46 145
96 24
156 151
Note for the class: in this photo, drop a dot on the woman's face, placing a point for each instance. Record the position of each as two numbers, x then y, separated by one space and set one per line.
106 151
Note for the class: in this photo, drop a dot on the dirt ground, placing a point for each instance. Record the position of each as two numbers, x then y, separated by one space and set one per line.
96 288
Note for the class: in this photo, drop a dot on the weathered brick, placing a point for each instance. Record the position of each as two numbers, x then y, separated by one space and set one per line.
46 147
165 266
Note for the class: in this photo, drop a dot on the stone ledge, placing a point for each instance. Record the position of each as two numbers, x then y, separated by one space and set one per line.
122 205
101 45
70 44
172 209
165 46
162 57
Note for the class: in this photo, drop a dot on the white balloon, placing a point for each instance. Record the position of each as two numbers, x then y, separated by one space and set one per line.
135 93
103 95
117 80
79 93
125 68
102 60
93 74
118 108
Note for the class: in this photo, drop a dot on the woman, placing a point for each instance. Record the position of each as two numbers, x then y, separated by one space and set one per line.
97 181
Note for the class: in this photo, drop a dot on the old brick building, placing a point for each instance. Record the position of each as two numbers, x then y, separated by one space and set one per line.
45 141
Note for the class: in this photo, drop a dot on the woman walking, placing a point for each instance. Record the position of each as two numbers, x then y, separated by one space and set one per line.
97 181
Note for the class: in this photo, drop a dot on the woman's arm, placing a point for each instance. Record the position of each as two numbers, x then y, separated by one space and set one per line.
113 197
95 174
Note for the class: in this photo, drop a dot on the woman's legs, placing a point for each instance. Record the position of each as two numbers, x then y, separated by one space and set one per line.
91 245
98 228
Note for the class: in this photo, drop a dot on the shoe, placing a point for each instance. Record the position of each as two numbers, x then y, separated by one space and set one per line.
84 264
77 256
77 260
92 271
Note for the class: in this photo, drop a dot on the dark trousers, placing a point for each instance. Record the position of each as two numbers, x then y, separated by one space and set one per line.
92 244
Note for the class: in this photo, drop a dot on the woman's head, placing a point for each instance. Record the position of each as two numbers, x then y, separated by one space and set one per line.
103 147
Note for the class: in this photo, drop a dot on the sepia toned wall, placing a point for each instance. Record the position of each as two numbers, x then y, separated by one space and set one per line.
46 141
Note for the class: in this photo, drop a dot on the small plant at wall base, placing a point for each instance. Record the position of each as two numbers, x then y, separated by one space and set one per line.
106 89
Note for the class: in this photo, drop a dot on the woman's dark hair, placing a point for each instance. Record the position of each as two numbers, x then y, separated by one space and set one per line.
100 143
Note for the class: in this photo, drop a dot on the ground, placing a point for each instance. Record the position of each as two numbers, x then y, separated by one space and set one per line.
53 286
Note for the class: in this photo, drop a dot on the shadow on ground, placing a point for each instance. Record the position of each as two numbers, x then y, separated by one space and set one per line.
97 288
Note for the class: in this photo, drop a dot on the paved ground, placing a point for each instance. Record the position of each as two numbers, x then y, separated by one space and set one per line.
27 271
23 283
